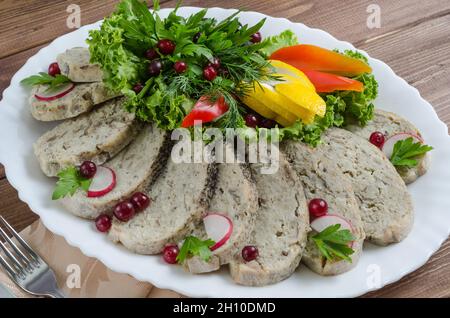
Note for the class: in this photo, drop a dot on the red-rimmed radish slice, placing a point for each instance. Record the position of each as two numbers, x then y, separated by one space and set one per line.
388 146
102 183
218 228
325 221
53 94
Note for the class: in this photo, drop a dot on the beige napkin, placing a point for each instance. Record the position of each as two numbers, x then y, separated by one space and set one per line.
79 275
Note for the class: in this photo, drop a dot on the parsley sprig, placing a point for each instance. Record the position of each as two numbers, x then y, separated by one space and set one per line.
193 246
123 38
333 243
45 79
406 151
69 182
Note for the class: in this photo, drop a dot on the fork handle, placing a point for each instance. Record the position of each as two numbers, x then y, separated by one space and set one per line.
57 293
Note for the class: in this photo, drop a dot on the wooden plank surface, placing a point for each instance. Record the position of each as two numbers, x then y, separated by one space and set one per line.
14 210
423 59
42 21
413 39
344 19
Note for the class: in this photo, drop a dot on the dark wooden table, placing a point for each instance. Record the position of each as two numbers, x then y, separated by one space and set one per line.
414 39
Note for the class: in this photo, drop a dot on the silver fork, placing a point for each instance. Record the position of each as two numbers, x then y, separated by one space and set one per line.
25 267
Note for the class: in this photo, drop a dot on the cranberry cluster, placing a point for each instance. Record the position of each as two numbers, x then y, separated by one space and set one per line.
124 211
166 47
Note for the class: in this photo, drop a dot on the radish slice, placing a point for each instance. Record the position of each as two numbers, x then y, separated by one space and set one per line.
325 221
218 228
48 96
102 183
388 146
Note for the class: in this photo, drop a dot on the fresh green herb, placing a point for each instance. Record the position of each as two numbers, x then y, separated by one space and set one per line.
45 79
311 133
358 106
355 55
342 107
406 151
193 246
333 243
273 43
120 44
69 182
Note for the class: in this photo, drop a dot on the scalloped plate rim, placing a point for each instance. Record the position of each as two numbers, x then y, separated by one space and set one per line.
161 281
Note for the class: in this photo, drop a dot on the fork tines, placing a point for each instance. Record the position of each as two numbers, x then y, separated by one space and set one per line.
16 260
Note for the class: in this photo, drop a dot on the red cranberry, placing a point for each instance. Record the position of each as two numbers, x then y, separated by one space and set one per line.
250 253
180 67
317 208
170 254
215 63
88 169
103 223
154 68
267 123
209 73
137 88
53 69
140 201
151 54
251 120
377 138
124 211
256 38
166 47
196 37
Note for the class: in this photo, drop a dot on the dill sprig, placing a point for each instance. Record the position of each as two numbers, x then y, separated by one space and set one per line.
120 44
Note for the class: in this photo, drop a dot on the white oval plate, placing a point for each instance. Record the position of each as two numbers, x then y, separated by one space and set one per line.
377 267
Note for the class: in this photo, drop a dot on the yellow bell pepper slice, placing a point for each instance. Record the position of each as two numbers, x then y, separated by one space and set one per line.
283 105
258 107
266 112
304 97
282 69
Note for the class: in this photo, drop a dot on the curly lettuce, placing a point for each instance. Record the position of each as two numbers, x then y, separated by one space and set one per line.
276 42
107 47
342 107
312 133
359 105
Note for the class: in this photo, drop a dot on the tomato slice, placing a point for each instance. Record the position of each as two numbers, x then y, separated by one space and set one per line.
205 110
327 83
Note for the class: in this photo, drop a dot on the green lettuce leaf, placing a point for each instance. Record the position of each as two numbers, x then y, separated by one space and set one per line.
358 106
276 42
116 46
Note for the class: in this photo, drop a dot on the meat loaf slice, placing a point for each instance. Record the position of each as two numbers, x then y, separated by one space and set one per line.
180 197
390 124
280 231
96 136
81 99
135 167
385 204
321 178
235 196
75 64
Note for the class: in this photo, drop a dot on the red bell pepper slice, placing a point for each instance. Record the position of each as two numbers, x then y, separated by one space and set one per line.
327 83
311 57
205 110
